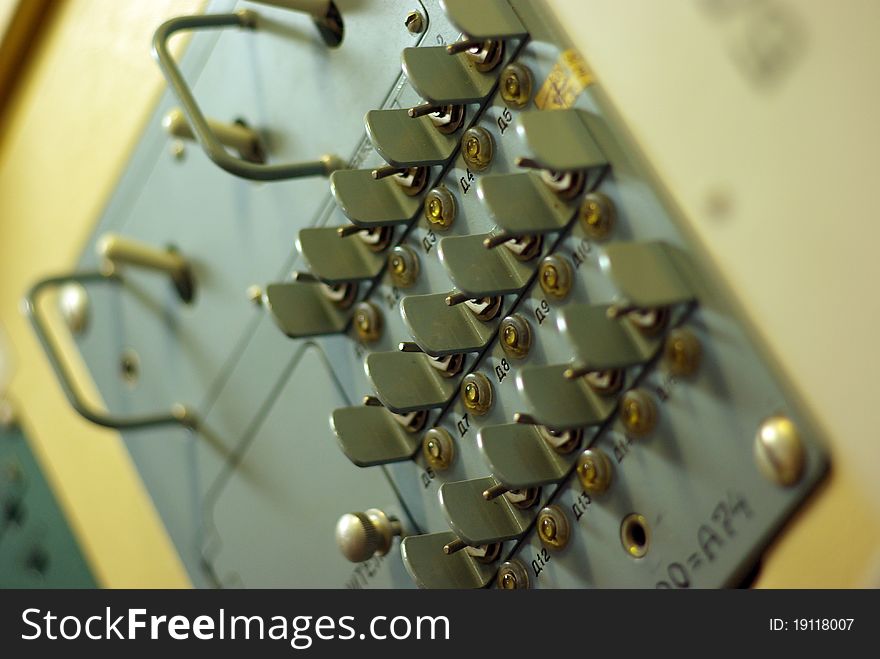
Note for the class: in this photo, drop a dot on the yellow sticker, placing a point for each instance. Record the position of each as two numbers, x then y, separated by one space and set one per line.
569 77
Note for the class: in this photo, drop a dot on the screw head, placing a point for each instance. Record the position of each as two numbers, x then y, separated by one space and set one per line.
594 470
368 322
516 85
438 448
516 336
476 393
440 208
414 22
779 450
477 148
682 352
403 266
598 215
555 275
512 575
638 412
553 528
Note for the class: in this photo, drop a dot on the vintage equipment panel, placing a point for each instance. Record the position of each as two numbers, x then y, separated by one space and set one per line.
387 297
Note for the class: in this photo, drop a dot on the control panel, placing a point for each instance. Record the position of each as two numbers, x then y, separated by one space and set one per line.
388 297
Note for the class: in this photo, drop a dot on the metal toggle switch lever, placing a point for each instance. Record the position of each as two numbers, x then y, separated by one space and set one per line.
115 250
361 536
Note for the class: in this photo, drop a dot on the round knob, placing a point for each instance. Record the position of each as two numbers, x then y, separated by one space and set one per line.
362 535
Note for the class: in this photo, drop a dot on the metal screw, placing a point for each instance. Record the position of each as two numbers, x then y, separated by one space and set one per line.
477 147
779 451
177 149
555 276
516 336
598 215
440 208
512 575
516 85
638 413
476 393
682 352
403 265
438 449
415 22
594 471
368 322
553 528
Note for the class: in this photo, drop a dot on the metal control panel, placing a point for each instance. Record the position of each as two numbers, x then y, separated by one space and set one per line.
393 276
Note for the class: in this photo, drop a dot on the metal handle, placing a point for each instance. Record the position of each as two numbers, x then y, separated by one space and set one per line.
178 414
203 133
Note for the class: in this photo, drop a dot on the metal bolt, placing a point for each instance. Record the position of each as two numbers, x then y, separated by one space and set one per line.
415 22
553 528
438 449
598 215
73 304
779 451
516 85
440 208
512 575
638 413
555 276
594 471
516 336
403 266
368 321
477 148
682 352
476 393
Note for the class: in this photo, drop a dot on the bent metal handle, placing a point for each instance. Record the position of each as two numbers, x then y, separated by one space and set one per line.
209 142
177 414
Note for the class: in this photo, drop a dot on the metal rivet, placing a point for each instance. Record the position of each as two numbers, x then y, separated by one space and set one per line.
555 276
415 22
368 321
477 147
403 266
682 352
73 304
779 451
438 449
635 535
512 575
638 412
594 471
553 528
440 208
516 85
516 336
597 215
476 393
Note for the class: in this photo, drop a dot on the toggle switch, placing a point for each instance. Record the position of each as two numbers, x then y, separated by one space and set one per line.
360 536
560 403
370 202
478 521
115 251
371 435
439 328
602 343
649 275
352 257
245 141
561 140
429 567
523 456
403 141
484 20
444 80
306 307
408 381
522 205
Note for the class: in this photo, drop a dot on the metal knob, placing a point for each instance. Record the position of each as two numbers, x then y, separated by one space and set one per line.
363 535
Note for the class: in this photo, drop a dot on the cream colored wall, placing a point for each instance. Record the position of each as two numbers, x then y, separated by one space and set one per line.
68 131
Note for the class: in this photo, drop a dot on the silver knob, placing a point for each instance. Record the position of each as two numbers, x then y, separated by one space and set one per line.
363 535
